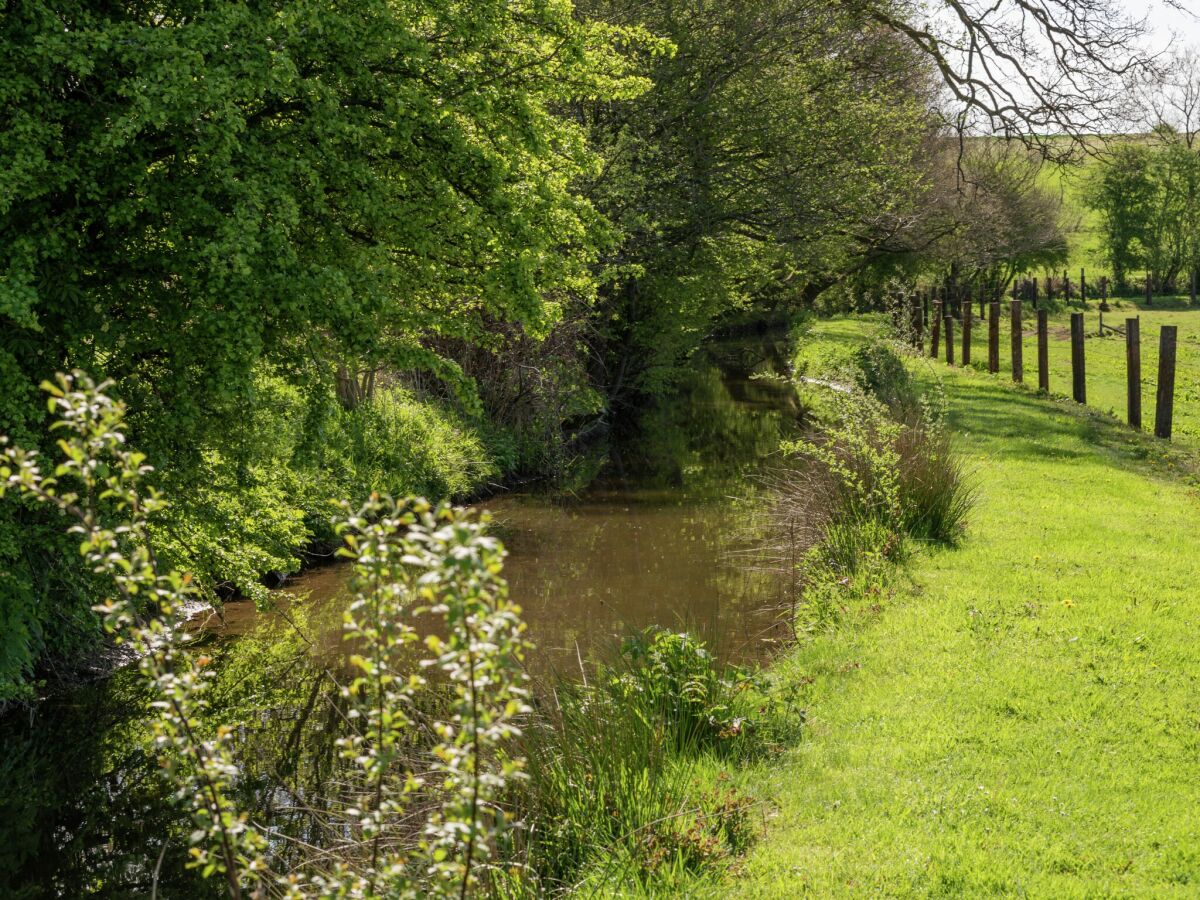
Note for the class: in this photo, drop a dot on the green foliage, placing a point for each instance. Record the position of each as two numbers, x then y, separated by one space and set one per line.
995 216
1123 192
409 559
1147 195
879 472
195 197
100 478
394 444
774 152
621 773
677 676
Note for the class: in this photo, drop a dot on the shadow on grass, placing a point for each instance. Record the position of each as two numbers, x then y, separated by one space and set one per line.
1021 425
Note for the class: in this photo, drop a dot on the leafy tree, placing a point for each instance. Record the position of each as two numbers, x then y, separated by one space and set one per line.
994 218
772 156
1125 194
194 193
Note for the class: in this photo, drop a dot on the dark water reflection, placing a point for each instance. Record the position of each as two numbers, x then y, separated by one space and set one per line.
659 536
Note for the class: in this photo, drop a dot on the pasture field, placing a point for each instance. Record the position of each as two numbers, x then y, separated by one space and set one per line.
1018 716
1081 224
1105 357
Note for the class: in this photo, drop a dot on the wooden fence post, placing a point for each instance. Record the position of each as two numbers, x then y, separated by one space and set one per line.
1149 290
1133 368
935 330
966 324
1083 285
948 324
1033 289
1165 407
1078 377
994 337
925 307
1104 293
1043 342
915 317
1018 362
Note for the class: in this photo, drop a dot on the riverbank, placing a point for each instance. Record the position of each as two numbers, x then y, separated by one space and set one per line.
1020 717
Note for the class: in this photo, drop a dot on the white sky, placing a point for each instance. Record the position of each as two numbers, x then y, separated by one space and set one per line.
1169 24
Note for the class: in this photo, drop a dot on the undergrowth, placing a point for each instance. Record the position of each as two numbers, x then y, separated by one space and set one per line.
630 785
878 473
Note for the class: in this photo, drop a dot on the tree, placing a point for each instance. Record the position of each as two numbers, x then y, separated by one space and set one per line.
1172 97
772 156
195 193
1124 192
1045 72
1000 222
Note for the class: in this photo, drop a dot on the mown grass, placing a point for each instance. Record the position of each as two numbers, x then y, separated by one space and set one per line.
1105 357
1024 717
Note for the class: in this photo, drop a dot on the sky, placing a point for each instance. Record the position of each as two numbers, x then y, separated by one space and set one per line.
1168 23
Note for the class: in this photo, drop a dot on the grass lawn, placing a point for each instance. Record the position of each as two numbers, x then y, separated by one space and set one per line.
1024 718
1105 357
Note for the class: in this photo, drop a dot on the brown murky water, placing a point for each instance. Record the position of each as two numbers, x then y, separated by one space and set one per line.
658 537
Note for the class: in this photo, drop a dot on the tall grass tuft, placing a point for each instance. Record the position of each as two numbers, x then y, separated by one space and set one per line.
879 474
613 796
936 493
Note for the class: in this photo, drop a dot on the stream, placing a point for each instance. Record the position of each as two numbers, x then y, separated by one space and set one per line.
657 536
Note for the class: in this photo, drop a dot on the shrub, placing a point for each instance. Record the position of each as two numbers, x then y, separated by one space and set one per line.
856 491
409 558
936 494
880 371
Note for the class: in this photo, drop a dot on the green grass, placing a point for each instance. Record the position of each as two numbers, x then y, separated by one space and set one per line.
1082 225
1105 358
1024 718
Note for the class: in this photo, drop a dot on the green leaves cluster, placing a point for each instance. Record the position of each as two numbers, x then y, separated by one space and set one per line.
775 155
199 199
1148 197
409 558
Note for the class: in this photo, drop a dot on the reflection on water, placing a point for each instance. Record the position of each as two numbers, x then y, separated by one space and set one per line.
656 538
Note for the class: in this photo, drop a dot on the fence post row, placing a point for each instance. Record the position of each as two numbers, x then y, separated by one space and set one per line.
1018 363
1078 378
1133 368
1164 409
1043 349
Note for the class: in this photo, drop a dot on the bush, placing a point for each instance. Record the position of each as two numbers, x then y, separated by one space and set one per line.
240 510
856 492
936 495
876 368
409 559
880 371
397 445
